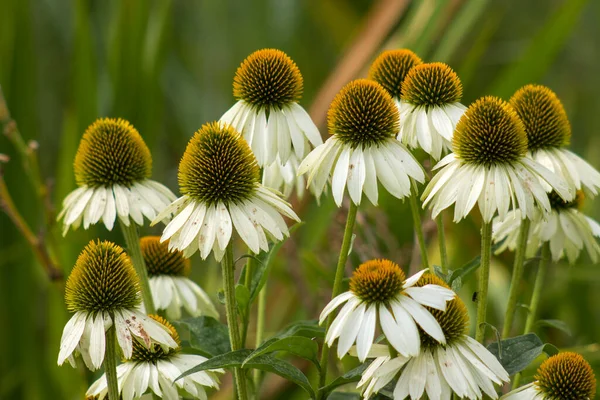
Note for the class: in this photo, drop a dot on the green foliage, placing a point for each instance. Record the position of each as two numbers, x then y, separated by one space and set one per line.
206 334
515 354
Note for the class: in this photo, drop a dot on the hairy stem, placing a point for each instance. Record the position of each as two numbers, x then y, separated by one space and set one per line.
248 283
132 240
337 288
517 276
110 364
484 280
227 269
416 214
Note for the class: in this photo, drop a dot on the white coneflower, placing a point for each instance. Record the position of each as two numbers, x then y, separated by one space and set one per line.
566 228
103 290
218 177
390 69
154 370
112 169
363 122
430 108
267 87
548 133
171 288
461 365
489 167
380 292
564 376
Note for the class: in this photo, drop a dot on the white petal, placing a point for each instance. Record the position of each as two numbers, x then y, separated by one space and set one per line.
335 303
110 210
366 333
348 335
340 175
356 175
97 340
71 335
178 222
306 124
244 228
224 229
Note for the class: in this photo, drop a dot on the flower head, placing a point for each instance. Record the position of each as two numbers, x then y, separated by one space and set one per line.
363 122
544 118
566 229
268 78
218 167
430 108
380 292
362 115
490 133
459 365
390 69
563 376
549 133
218 177
489 167
267 87
103 290
171 288
112 168
154 370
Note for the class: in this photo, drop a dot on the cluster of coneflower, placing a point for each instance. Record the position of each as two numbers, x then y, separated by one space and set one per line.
508 157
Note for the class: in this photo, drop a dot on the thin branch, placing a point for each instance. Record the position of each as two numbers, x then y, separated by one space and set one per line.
35 242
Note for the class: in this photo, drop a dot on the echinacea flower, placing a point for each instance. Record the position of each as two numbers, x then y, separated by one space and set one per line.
171 288
112 169
548 133
267 87
430 108
155 370
363 122
565 228
461 365
103 290
380 292
219 180
564 376
489 167
390 69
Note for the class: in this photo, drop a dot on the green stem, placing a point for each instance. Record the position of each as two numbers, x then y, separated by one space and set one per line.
416 214
337 289
227 268
110 364
484 279
260 329
439 221
248 284
537 288
517 276
132 240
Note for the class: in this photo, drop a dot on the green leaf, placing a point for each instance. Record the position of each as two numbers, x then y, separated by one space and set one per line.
206 334
267 363
555 323
298 345
351 376
344 396
515 354
551 350
309 329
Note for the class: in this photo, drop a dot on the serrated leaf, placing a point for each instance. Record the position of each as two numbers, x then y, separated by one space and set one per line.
515 354
298 345
267 363
206 335
351 376
555 323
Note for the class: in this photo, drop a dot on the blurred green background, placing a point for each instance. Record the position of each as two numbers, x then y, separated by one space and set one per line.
167 66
